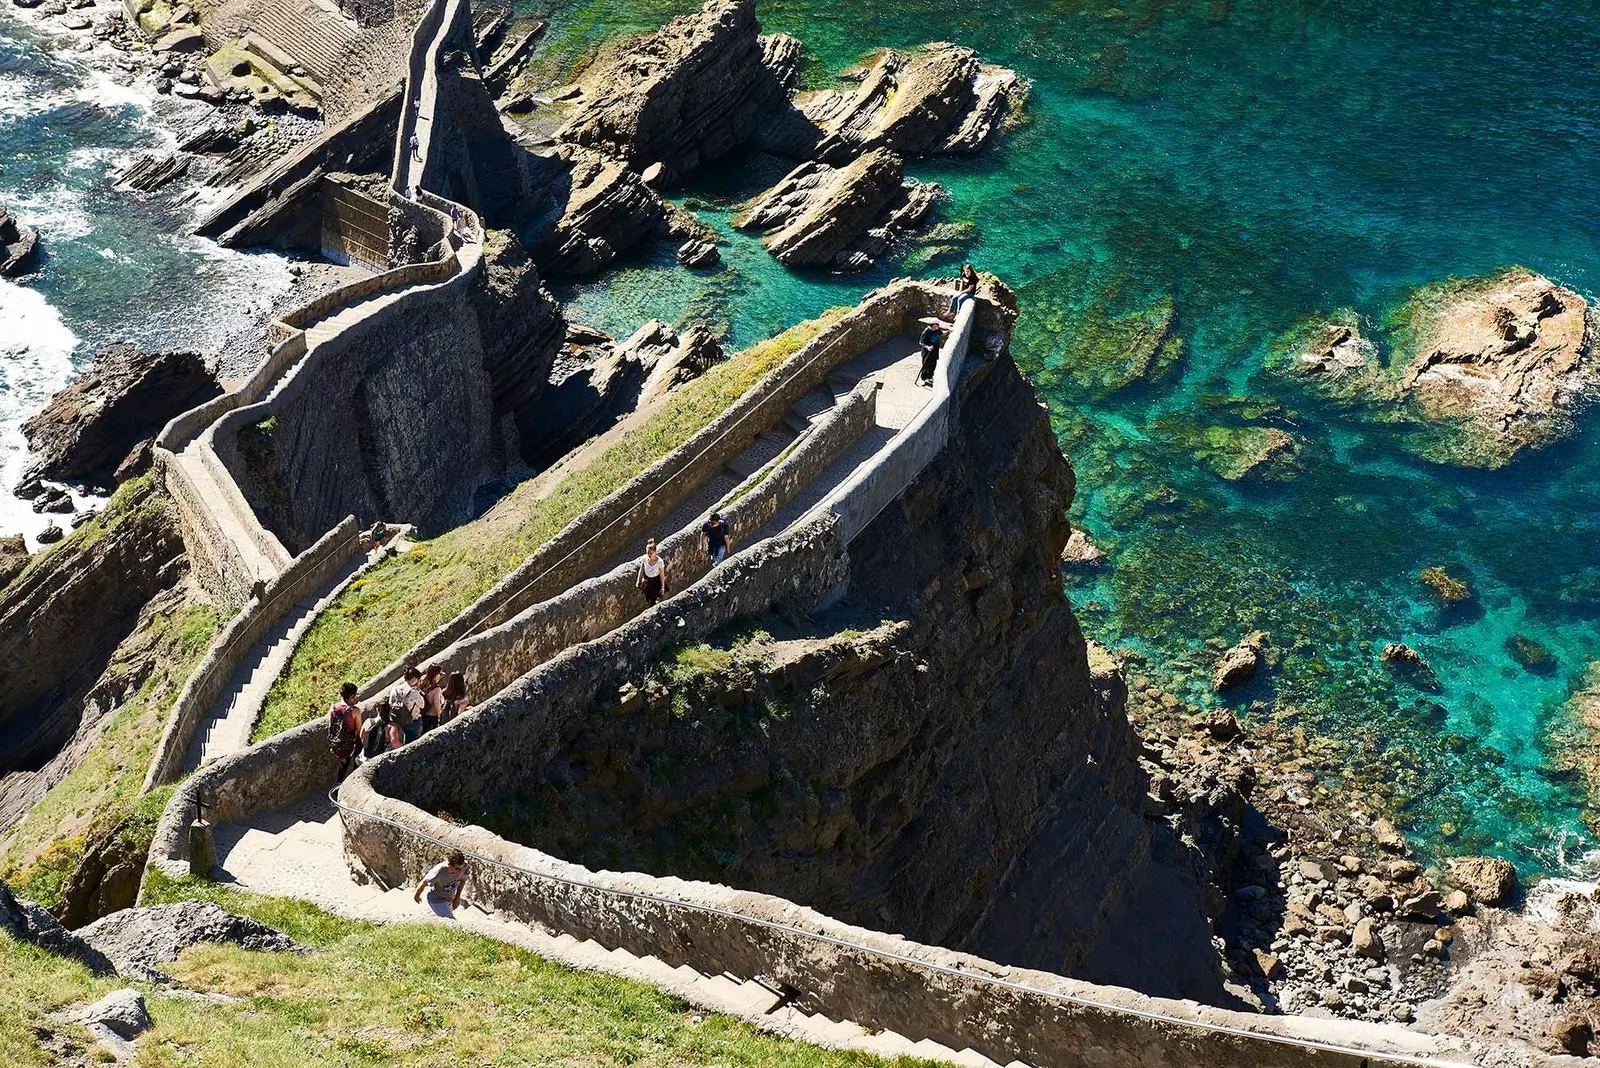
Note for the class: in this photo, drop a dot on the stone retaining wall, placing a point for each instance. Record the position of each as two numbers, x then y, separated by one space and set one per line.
495 658
309 571
627 515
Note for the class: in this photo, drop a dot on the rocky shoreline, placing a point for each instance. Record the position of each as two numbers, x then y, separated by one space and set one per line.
1320 907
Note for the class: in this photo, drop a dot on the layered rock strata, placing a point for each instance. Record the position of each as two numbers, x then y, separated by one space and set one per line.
841 217
124 397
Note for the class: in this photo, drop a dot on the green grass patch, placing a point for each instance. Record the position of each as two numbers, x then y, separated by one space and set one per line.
103 790
400 994
403 599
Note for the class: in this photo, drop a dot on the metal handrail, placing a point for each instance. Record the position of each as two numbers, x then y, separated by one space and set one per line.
901 958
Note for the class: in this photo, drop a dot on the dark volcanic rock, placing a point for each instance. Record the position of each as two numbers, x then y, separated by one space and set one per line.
19 246
685 95
842 217
123 397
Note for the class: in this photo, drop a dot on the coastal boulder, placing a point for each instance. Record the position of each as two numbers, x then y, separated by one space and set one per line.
1488 880
843 217
123 397
1238 665
19 246
1081 553
601 208
1505 361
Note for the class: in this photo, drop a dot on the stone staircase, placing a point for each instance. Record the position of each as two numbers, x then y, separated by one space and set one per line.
311 32
226 729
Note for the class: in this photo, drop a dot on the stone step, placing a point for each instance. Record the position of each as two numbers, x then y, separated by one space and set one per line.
814 404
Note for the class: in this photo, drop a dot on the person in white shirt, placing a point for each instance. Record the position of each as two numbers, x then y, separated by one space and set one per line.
406 703
444 883
652 573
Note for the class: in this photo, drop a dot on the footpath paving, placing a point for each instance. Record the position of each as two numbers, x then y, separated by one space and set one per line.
298 852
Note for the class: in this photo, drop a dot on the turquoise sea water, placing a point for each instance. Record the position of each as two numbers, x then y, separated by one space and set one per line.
1249 164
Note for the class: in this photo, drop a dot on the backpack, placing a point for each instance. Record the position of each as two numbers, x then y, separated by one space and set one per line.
340 738
373 742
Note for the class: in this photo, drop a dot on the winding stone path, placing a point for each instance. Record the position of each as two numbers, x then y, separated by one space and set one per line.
299 852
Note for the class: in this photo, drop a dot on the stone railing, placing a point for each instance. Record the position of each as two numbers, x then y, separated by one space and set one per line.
858 500
493 659
628 514
309 571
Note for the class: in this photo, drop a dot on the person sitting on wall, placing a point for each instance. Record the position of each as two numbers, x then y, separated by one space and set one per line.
344 729
968 291
714 539
652 574
930 342
406 704
444 883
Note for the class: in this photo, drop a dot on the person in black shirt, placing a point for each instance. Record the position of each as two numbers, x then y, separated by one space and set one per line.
714 540
932 337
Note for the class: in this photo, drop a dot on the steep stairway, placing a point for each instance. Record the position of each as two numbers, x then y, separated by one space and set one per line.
226 728
312 32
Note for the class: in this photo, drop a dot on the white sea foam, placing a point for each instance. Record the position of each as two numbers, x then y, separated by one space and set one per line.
36 349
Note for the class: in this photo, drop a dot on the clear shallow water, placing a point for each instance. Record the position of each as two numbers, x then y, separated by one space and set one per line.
1252 164
115 266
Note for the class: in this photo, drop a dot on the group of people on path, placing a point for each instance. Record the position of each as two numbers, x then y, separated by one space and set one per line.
935 330
715 541
418 703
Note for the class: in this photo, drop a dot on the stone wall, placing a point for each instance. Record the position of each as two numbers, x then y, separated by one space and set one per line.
309 572
494 658
626 516
355 227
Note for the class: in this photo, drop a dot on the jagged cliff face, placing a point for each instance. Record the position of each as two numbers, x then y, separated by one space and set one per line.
932 756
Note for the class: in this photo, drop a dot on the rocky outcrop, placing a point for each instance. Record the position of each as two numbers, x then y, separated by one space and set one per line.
522 327
137 940
597 380
62 619
1081 553
107 877
686 95
937 99
1505 361
600 209
121 399
1487 880
1574 745
1408 664
840 217
26 922
1238 665
19 246
14 558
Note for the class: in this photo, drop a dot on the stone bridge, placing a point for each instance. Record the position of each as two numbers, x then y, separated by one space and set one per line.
801 465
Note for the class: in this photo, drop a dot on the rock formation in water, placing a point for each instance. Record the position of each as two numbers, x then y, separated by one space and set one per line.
1505 359
523 329
841 217
658 108
122 398
19 246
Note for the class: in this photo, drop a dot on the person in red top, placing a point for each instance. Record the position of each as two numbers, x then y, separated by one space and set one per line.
344 729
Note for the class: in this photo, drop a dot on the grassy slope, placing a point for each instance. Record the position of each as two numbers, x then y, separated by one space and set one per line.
405 598
403 994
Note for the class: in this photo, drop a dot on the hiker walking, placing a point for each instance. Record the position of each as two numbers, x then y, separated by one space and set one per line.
967 290
416 148
652 573
930 341
432 698
714 539
455 697
344 729
444 883
406 704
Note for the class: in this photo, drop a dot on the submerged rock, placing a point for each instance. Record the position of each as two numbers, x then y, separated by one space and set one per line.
126 395
1409 664
1446 588
1238 665
1531 654
1505 361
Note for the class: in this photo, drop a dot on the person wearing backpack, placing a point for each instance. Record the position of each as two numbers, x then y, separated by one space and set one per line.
375 734
406 704
344 729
